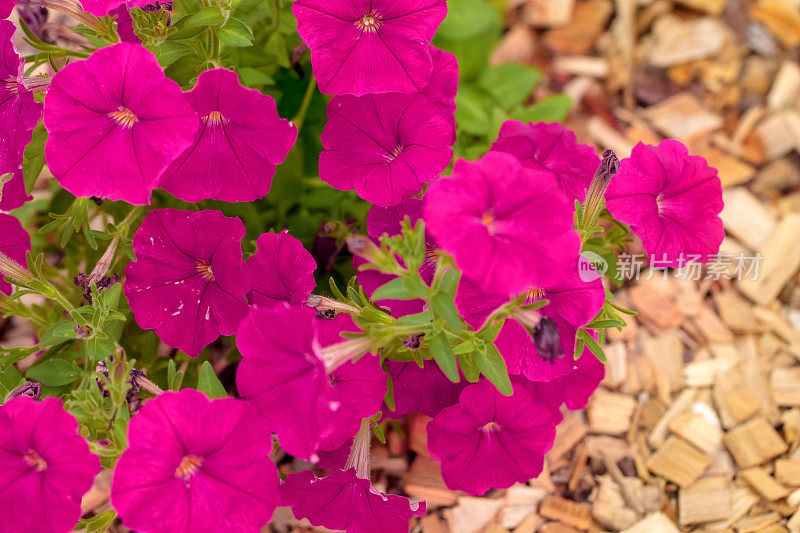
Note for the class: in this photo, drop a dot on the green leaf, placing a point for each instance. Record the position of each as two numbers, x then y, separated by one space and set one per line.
33 157
471 111
551 109
235 33
510 83
493 366
254 78
418 319
467 18
208 16
169 52
99 346
54 372
208 382
443 307
444 356
10 379
98 523
593 346
60 332
174 377
469 367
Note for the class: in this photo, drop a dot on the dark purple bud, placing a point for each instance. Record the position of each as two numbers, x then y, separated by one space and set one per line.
28 389
547 340
414 341
35 18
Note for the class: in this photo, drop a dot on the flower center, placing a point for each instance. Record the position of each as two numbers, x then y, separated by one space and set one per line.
491 427
488 220
370 22
189 465
33 459
204 269
535 294
215 118
124 117
659 203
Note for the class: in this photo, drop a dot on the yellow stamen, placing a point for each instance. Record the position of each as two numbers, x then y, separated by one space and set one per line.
536 294
215 118
204 269
124 117
490 427
189 465
33 459
488 221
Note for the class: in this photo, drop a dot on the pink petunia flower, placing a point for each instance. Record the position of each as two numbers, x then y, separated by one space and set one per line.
387 221
5 8
488 440
342 500
548 352
283 374
575 389
101 8
196 465
551 148
505 225
282 271
671 200
425 390
360 47
19 112
240 141
384 146
45 466
358 387
188 281
13 192
115 123
14 244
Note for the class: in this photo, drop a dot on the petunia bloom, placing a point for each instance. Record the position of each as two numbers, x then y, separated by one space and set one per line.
115 123
387 221
551 148
342 500
386 147
13 193
488 440
547 352
195 465
19 112
283 374
360 47
14 244
282 271
575 388
240 141
425 390
671 200
505 225
101 8
5 8
45 466
189 280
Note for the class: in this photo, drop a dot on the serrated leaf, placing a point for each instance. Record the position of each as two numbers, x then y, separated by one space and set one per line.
444 356
493 366
235 33
54 372
208 382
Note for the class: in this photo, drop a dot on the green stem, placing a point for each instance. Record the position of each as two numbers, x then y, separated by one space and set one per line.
301 115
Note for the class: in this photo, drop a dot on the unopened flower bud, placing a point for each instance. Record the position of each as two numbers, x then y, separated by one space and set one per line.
337 354
323 304
602 178
414 341
359 457
364 247
28 389
11 269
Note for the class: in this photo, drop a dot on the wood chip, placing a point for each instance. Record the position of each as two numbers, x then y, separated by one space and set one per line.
764 484
706 500
579 35
678 461
571 513
787 471
682 117
779 133
678 41
781 260
785 90
757 523
781 17
785 386
746 218
610 412
654 523
696 429
548 13
754 443
424 481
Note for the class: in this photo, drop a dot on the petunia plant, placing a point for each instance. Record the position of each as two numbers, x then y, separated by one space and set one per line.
239 232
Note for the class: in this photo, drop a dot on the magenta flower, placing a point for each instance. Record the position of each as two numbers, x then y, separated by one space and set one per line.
240 141
5 8
425 390
671 200
367 48
45 466
14 244
101 8
282 271
342 500
115 123
282 373
194 464
551 148
548 353
387 221
188 281
384 146
505 225
575 389
19 112
443 85
488 440
13 192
